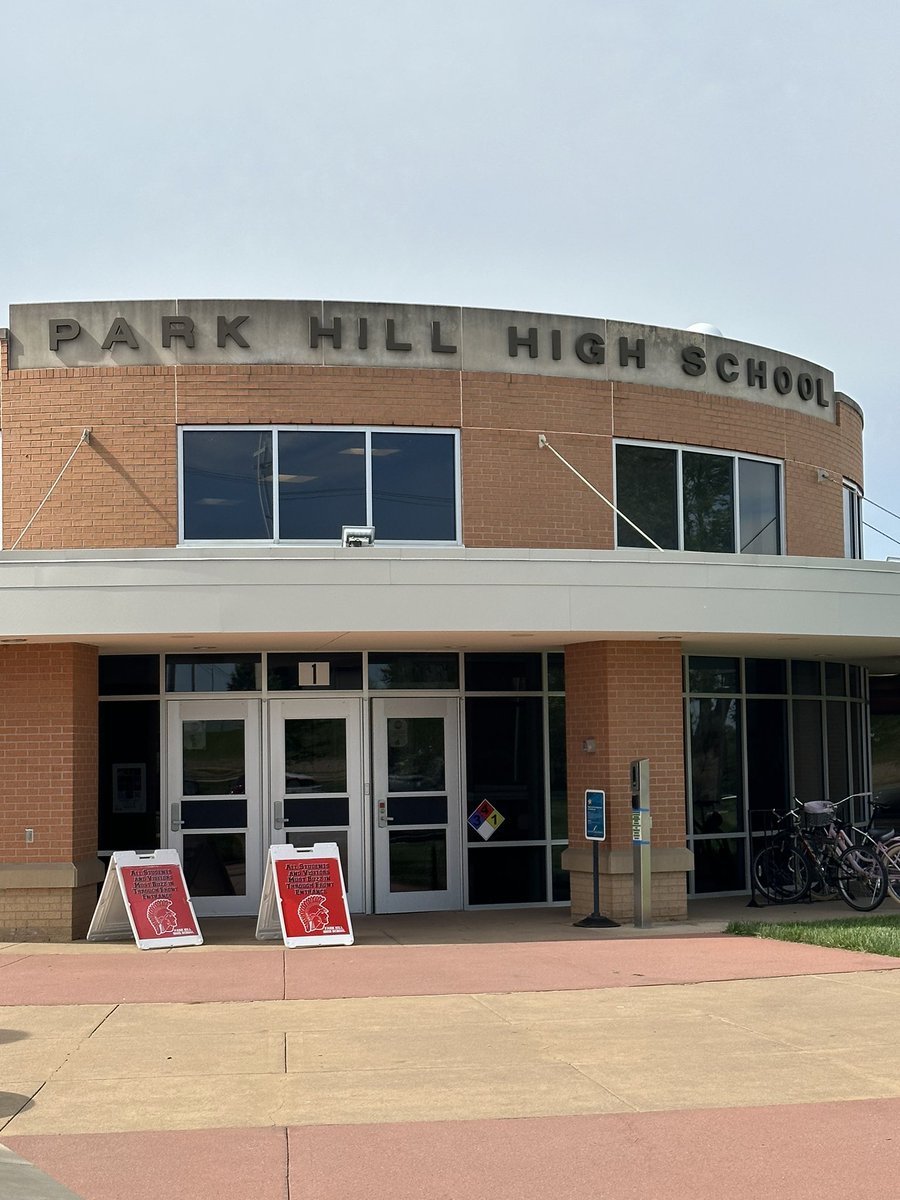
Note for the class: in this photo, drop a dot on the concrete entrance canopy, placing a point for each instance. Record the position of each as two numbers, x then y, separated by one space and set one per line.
454 598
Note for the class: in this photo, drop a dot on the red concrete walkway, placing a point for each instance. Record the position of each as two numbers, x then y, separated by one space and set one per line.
196 974
800 1152
653 1141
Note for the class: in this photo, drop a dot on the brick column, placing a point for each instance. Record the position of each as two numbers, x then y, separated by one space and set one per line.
48 769
627 698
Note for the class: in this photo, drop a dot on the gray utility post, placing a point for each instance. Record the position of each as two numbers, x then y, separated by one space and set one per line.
640 840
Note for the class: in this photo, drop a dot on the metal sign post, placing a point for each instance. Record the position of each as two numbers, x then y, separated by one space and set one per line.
595 832
640 840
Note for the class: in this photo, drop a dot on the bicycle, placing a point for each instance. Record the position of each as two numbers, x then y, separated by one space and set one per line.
815 854
887 841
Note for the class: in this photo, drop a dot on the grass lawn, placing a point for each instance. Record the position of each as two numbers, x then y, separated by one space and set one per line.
873 935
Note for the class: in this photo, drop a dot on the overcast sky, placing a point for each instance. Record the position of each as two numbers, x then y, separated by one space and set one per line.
728 161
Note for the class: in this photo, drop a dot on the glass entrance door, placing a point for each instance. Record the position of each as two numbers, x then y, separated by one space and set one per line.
214 818
316 780
417 805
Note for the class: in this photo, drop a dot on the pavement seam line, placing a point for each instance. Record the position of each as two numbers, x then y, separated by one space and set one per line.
102 1021
56 1070
287 1164
6 1124
602 1086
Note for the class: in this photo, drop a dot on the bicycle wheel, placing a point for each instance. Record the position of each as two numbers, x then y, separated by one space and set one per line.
780 874
861 878
892 865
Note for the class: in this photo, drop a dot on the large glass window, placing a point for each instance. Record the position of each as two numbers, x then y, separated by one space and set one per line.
708 500
853 524
791 728
304 485
414 487
321 483
128 780
686 499
760 506
227 484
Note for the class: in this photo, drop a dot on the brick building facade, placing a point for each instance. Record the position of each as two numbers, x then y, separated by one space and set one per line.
172 508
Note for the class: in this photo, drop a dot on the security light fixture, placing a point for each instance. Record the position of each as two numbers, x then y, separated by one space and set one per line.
358 535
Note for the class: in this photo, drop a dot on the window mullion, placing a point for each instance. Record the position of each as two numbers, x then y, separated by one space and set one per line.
679 487
276 497
369 504
736 503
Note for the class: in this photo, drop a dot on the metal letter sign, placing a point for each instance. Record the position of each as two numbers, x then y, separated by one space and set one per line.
595 816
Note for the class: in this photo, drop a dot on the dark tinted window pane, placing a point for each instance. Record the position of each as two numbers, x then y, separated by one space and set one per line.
708 502
559 814
507 874
809 781
855 675
760 502
838 751
417 810
719 865
556 672
227 484
765 676
415 754
713 675
128 780
321 483
344 672
857 782
835 684
561 889
503 672
418 860
413 670
414 487
315 756
885 758
214 814
213 758
328 835
215 864
806 678
505 764
716 777
767 754
646 492
212 673
129 675
311 813
884 694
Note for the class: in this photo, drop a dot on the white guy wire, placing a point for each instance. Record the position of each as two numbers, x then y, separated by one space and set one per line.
85 437
542 442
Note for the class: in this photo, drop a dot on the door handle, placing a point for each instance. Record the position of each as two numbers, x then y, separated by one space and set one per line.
278 814
175 822
383 819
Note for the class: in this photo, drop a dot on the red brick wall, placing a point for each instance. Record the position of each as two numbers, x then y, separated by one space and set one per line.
121 490
628 697
48 752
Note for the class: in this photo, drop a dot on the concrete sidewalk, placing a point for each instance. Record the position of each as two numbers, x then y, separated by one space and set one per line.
696 1065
